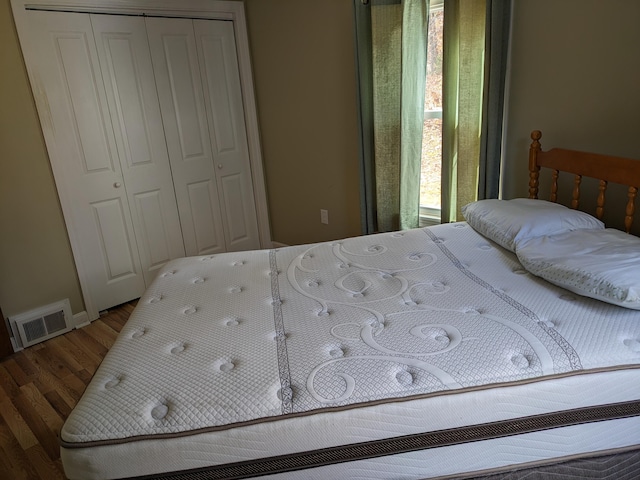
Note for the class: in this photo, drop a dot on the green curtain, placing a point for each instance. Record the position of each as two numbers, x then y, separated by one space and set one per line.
398 59
476 40
415 20
462 85
391 55
386 41
496 48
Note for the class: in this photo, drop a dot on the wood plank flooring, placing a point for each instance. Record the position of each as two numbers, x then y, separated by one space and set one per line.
38 388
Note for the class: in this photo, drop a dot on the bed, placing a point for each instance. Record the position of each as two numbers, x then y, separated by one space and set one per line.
454 351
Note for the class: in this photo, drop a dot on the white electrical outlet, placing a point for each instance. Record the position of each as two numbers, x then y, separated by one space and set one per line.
324 216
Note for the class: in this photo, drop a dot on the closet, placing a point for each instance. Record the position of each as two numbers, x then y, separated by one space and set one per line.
145 125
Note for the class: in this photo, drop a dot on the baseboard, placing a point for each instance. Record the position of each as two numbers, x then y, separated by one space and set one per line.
81 319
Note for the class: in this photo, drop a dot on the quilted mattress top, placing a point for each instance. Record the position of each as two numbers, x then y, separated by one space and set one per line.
238 338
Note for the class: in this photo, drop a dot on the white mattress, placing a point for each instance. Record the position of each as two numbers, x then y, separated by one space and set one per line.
251 355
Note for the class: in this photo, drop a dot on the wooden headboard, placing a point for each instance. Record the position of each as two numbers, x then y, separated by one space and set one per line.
601 167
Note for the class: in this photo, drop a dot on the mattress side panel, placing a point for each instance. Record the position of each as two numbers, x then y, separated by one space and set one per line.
292 435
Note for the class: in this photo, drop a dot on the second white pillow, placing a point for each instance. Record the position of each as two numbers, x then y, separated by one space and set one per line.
507 222
601 264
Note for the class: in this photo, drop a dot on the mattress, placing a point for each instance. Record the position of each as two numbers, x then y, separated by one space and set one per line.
408 349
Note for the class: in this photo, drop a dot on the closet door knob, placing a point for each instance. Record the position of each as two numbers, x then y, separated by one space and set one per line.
219 166
117 184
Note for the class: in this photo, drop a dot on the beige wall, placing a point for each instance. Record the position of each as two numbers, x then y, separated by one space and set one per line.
575 75
36 265
303 64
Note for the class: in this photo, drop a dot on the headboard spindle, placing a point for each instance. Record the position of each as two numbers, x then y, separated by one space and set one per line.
605 168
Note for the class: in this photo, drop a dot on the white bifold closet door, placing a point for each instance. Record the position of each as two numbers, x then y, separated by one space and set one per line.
146 121
198 84
132 99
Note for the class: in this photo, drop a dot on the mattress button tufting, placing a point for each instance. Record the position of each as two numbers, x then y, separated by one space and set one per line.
336 352
139 333
238 264
632 344
112 383
520 361
155 299
159 411
178 349
235 289
285 395
190 310
198 280
375 323
404 378
547 323
169 273
567 298
519 271
227 367
232 322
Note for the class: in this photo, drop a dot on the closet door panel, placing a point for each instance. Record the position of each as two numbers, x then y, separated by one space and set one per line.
227 132
175 63
74 59
110 215
150 210
126 65
84 156
234 195
203 199
185 94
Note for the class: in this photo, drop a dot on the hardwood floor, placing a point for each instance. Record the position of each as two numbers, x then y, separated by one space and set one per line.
38 388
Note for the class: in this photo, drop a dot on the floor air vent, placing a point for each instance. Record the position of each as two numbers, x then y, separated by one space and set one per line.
40 324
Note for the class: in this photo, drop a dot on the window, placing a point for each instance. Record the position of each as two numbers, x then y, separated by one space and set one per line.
397 130
431 165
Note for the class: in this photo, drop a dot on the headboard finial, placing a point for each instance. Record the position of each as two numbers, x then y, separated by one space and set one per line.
534 169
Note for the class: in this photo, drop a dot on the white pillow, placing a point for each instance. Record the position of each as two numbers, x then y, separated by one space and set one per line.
601 264
507 222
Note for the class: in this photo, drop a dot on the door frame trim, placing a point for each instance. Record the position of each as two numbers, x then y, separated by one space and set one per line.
204 9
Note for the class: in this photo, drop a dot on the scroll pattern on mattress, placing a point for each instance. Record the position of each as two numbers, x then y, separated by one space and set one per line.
390 318
223 340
